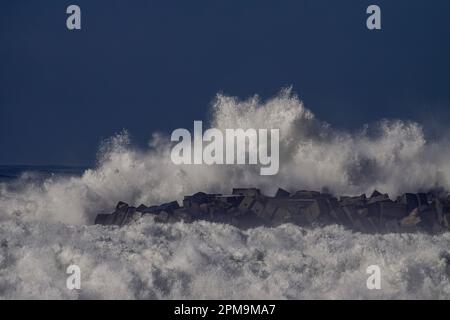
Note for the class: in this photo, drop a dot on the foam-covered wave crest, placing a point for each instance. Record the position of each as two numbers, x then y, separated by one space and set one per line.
206 260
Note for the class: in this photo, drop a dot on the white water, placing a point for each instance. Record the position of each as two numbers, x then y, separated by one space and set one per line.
42 222
204 260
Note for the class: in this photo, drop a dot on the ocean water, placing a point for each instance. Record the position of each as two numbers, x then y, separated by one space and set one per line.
47 214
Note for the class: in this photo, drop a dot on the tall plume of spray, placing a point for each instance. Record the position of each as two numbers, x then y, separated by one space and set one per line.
392 156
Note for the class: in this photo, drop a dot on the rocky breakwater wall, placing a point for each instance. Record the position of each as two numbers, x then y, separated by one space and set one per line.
248 208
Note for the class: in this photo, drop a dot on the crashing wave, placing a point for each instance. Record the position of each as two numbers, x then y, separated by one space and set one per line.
392 155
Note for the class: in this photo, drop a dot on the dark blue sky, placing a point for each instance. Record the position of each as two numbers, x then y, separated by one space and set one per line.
156 65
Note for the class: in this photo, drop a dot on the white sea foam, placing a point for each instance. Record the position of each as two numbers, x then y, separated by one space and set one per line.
42 223
207 260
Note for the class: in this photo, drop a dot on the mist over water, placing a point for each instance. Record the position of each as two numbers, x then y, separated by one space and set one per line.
45 222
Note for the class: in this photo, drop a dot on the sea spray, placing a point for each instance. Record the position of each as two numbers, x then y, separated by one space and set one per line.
392 156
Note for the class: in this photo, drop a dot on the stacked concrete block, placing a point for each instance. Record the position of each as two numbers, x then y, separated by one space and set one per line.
282 194
318 207
246 204
250 192
269 210
248 207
